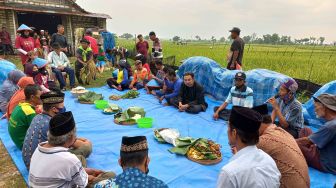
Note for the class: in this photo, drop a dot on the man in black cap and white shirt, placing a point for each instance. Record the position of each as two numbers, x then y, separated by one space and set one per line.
52 165
249 166
235 57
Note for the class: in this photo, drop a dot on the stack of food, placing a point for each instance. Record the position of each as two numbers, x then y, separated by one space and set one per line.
130 116
78 91
205 151
89 97
129 95
112 109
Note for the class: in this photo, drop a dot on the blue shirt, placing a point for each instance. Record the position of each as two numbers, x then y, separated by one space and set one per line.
240 97
36 133
132 178
325 139
176 86
292 111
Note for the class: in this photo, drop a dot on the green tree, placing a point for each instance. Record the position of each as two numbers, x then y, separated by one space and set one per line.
146 37
198 37
322 39
126 36
247 39
222 39
176 38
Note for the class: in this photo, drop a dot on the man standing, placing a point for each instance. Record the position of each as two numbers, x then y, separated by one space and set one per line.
235 57
134 161
281 146
239 95
52 164
249 166
23 114
60 38
6 41
59 63
191 96
287 109
93 43
142 47
319 148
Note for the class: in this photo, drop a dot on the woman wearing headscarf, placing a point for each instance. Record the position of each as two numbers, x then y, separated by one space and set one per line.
19 94
9 87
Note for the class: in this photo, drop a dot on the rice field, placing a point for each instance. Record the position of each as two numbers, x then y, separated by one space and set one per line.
313 63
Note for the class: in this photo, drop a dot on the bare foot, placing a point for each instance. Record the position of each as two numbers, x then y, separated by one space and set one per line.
166 104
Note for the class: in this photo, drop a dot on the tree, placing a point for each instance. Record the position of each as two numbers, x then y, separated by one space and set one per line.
253 37
321 40
198 37
126 36
222 39
247 38
275 38
176 38
146 37
213 39
267 39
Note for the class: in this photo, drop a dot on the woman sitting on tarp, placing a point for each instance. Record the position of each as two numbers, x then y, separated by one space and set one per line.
122 81
157 81
9 87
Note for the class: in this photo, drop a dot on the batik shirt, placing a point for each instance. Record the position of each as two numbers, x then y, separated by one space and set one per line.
37 133
132 178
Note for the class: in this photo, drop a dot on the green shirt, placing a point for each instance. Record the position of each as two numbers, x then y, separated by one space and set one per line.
19 122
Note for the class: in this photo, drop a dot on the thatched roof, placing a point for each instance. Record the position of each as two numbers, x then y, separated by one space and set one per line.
70 8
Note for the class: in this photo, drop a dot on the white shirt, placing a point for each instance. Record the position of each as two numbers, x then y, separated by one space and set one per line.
56 167
56 60
250 167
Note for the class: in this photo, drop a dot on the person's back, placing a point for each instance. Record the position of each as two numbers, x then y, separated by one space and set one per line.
60 39
250 167
282 147
67 173
93 44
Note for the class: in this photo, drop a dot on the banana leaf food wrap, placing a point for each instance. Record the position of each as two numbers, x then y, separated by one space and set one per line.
90 97
129 116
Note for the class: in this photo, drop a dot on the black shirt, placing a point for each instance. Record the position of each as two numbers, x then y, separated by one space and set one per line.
60 39
238 45
192 95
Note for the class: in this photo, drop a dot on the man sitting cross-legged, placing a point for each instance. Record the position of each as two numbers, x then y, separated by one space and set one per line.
53 103
52 164
134 161
239 95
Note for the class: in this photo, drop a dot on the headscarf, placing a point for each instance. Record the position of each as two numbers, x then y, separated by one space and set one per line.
85 52
9 87
19 94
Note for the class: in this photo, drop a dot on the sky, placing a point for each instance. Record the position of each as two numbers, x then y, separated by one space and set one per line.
206 18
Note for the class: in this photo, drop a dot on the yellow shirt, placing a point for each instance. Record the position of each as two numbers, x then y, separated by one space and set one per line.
120 76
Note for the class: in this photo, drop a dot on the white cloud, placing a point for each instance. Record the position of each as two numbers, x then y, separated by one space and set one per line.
187 18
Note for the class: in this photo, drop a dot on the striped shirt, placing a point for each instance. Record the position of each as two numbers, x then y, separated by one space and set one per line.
240 97
292 111
67 173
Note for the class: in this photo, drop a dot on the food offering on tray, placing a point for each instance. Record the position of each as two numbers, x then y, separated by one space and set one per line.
129 95
78 91
166 135
89 97
130 116
205 152
112 109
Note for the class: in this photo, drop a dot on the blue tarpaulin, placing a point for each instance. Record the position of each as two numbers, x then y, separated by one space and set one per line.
309 113
5 68
109 41
176 171
217 81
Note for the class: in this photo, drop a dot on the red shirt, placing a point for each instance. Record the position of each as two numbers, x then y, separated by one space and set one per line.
5 37
93 44
26 44
142 48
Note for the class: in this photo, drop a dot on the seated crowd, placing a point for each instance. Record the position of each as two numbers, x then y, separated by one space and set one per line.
269 150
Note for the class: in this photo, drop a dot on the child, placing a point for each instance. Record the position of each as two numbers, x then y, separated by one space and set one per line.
140 76
84 56
40 74
100 59
122 81
45 47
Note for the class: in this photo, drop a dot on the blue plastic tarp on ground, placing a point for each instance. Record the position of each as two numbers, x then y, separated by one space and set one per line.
5 68
176 171
309 113
217 81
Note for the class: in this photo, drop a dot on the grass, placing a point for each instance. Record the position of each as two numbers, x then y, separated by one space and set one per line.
314 63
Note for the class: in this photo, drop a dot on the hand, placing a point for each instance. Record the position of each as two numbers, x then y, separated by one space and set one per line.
215 116
234 149
60 67
161 99
273 102
4 116
130 86
233 66
119 88
93 172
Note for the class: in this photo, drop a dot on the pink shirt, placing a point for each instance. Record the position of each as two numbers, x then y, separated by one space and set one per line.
93 44
26 44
